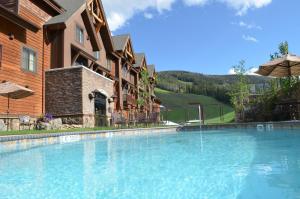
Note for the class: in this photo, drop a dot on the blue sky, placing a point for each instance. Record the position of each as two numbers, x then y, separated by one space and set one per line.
206 36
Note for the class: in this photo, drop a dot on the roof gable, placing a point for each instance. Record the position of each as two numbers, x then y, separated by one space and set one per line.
122 43
94 19
151 70
129 49
70 6
140 60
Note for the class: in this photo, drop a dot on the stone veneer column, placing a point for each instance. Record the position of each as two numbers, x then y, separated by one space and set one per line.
63 90
67 94
92 81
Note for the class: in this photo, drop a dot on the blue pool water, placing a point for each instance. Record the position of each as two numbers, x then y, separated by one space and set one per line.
209 165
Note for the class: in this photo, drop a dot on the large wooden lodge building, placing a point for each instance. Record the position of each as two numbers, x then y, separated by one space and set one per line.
63 50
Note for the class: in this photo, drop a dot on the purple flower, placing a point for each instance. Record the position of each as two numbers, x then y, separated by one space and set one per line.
48 117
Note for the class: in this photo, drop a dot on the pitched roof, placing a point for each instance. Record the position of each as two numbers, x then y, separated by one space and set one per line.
151 70
138 59
70 6
120 42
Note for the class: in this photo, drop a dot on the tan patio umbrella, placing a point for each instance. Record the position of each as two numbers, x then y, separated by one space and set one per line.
286 66
13 91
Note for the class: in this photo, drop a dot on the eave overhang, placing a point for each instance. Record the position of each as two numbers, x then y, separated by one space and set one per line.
16 19
54 6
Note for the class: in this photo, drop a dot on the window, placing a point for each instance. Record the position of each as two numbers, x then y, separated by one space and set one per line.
0 56
124 72
29 60
109 64
97 55
79 34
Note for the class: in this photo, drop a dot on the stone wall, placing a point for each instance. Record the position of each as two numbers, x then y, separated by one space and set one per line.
91 82
63 90
67 94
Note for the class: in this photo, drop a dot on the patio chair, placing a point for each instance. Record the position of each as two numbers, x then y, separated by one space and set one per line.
118 119
141 118
132 119
153 118
25 121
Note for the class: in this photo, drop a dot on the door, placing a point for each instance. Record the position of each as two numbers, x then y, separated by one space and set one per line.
100 110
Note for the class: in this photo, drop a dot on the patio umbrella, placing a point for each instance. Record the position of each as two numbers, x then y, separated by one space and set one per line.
286 66
13 91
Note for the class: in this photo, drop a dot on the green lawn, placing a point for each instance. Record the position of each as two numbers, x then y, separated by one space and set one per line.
181 111
26 132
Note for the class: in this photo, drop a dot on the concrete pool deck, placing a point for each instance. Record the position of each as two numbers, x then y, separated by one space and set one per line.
101 133
252 125
12 142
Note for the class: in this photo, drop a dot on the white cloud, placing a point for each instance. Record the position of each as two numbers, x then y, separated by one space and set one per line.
116 20
250 38
231 71
148 15
247 25
119 12
195 2
251 71
242 6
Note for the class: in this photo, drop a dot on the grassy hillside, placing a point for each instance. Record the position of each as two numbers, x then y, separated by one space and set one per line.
216 86
181 111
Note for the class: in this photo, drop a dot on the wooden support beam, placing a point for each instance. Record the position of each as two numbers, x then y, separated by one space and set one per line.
91 65
75 58
88 21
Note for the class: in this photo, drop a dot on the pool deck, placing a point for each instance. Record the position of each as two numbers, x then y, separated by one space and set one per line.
252 125
101 133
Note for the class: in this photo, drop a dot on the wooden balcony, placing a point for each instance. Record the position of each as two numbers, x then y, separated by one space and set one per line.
127 79
129 100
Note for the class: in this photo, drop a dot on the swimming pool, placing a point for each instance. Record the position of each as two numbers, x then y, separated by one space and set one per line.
202 165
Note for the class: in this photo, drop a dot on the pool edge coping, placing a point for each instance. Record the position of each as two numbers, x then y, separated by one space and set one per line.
11 138
249 125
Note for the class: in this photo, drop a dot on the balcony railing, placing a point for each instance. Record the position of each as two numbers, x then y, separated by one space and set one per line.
129 99
126 76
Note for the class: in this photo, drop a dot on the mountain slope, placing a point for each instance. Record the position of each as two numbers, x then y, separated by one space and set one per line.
216 86
180 110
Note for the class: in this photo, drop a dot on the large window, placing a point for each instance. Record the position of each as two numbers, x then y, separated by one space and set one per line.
29 60
79 34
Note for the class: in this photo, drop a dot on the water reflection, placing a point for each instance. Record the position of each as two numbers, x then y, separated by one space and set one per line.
275 170
214 165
